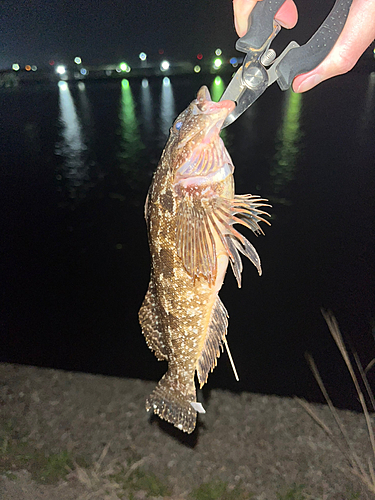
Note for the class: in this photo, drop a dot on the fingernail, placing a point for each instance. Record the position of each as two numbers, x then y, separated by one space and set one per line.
309 83
285 24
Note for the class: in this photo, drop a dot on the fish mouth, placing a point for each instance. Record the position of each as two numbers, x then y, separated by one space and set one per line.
217 111
213 114
209 107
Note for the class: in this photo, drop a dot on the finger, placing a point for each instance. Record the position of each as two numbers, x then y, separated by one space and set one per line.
287 14
357 35
241 10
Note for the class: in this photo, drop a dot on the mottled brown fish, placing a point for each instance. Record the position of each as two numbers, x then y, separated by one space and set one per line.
190 212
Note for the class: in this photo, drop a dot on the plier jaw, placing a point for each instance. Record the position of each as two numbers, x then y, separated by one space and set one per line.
253 78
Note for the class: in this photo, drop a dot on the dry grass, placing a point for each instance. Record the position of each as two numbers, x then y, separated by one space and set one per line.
97 479
366 472
116 480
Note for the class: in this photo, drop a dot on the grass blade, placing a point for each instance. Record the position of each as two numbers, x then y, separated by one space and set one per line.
337 337
353 458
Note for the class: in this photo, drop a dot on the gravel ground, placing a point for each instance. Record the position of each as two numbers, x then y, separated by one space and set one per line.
245 446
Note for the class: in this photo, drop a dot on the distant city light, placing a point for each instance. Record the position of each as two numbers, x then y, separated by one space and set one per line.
51 62
217 63
61 70
161 51
199 56
125 67
63 85
28 67
77 60
218 52
15 67
145 83
34 68
164 66
142 56
197 68
166 81
83 71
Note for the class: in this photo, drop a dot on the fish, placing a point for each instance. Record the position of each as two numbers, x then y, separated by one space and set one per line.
190 212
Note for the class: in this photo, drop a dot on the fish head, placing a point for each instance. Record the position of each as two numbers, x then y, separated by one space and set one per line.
197 129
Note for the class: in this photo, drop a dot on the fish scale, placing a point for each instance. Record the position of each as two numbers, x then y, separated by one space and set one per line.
190 212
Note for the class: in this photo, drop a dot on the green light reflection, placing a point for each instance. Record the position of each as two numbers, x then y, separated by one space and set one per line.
288 144
217 88
131 144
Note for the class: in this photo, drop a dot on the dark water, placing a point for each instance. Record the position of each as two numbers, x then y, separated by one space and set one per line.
76 163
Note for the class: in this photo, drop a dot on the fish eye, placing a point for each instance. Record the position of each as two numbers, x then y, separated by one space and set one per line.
178 125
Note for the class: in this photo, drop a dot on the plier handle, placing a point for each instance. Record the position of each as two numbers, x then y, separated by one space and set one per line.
253 77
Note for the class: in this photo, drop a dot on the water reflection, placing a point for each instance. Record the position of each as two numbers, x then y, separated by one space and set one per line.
147 108
217 88
167 109
288 144
85 108
130 144
368 110
72 147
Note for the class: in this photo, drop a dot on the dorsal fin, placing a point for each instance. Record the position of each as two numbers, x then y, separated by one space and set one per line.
217 330
150 322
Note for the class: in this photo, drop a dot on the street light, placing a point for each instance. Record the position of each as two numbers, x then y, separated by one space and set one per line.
217 63
61 70
125 67
164 66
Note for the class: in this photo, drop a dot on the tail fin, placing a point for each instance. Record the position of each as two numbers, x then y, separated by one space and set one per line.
172 405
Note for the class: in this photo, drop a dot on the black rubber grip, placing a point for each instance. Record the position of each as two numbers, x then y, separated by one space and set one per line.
260 25
309 56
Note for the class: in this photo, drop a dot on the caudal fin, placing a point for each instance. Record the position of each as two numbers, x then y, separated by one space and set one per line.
172 405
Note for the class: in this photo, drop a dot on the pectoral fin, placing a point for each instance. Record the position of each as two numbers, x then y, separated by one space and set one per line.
195 240
200 221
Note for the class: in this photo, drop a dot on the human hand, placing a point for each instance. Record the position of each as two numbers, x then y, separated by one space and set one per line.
287 15
358 33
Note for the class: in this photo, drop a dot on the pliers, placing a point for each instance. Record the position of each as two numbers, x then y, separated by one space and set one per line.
253 77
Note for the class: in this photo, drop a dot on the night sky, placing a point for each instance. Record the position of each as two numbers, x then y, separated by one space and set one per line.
108 31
